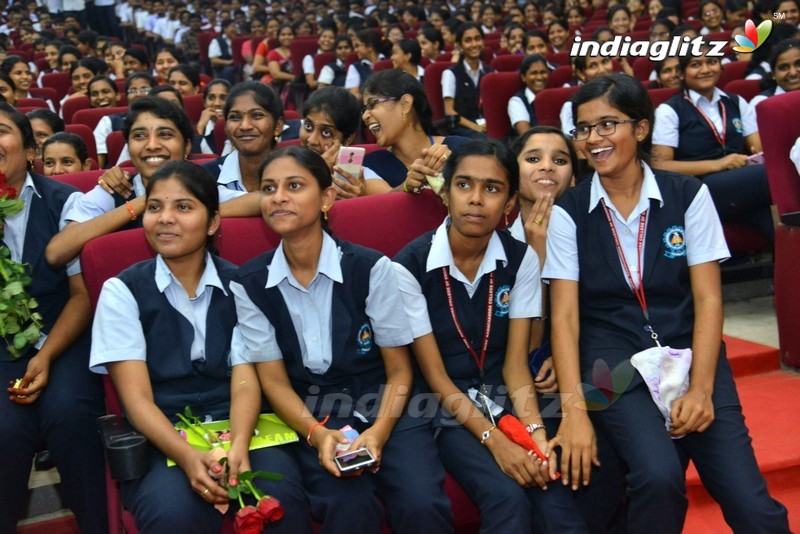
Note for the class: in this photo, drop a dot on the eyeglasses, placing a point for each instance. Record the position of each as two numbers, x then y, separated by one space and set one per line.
711 12
139 90
370 104
603 129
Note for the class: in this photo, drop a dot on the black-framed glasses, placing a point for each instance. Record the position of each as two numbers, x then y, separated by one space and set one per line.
603 129
370 104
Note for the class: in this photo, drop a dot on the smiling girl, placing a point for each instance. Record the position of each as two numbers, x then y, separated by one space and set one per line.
214 96
64 153
157 132
461 84
534 74
305 309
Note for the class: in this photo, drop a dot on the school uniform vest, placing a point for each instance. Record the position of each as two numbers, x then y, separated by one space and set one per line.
339 74
696 139
178 381
49 285
117 121
769 92
357 367
461 367
364 70
468 98
214 166
225 50
528 107
612 324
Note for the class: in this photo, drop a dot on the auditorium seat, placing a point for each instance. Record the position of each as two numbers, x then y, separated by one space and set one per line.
548 105
501 86
777 137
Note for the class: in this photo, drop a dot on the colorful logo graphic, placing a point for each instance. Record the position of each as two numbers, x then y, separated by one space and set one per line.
364 339
502 299
753 37
607 384
674 241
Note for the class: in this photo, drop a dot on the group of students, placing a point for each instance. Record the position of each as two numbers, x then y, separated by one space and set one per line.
455 314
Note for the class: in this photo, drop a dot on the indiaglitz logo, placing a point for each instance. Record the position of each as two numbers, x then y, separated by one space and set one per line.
607 384
753 37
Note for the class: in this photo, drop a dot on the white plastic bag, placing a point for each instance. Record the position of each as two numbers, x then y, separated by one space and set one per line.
666 372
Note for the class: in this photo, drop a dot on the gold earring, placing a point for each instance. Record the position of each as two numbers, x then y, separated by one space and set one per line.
277 136
506 218
404 115
325 215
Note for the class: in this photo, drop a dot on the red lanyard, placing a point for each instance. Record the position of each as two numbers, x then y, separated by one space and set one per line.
489 300
720 137
638 290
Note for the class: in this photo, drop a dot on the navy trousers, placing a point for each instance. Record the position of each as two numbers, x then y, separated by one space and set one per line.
723 456
163 501
410 483
504 505
64 420
742 196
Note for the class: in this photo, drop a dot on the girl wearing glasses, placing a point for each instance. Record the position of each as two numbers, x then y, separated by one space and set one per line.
136 86
321 319
705 132
713 16
398 114
659 242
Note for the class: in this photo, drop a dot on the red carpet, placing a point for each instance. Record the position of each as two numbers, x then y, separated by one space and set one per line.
771 404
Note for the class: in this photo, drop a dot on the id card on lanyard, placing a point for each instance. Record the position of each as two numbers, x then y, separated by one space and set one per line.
483 395
638 290
719 136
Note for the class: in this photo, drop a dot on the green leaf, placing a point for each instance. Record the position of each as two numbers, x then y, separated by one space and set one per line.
19 341
233 492
244 476
14 288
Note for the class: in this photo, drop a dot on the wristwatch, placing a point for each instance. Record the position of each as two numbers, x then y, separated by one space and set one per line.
533 427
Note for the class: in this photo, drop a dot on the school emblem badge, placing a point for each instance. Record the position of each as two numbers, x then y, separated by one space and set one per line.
675 243
737 124
364 339
502 298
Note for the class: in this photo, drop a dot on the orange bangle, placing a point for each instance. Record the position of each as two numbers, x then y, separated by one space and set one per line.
315 425
130 210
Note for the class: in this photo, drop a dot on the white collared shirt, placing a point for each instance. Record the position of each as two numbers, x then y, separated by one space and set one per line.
229 182
666 129
517 111
17 224
525 300
517 229
703 234
117 337
99 201
255 340
353 79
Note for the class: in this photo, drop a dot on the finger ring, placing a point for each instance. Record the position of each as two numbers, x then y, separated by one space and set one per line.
416 190
444 157
538 220
101 181
205 491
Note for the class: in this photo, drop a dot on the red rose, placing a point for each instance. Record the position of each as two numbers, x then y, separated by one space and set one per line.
6 191
270 509
248 521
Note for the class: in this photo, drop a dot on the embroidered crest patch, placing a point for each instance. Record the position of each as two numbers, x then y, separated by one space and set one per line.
364 339
737 123
674 241
502 299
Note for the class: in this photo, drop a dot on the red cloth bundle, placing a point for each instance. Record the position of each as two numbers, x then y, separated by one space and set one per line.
516 432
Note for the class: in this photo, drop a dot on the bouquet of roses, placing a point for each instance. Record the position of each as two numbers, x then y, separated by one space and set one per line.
17 317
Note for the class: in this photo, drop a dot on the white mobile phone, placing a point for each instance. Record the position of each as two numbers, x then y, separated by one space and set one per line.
354 460
351 159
